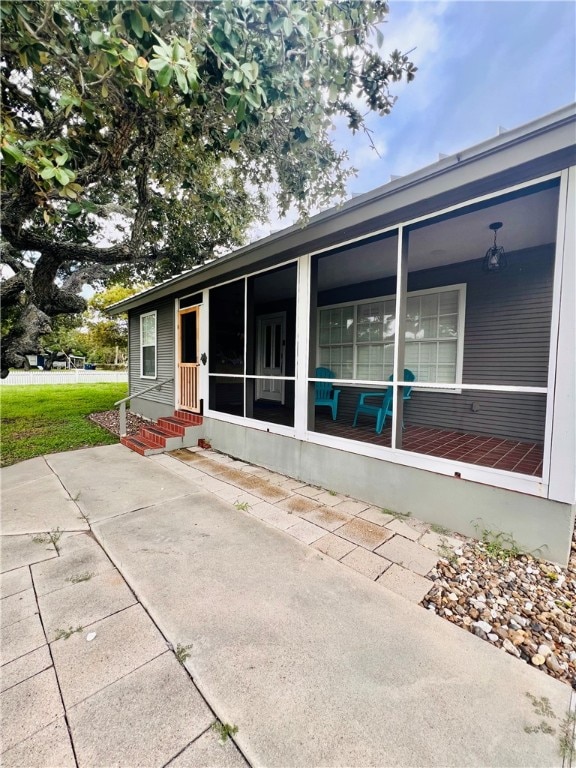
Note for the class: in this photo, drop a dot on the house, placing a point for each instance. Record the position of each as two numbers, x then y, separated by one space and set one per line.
452 287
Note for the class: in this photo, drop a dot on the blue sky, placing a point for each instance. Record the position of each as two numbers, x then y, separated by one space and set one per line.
481 64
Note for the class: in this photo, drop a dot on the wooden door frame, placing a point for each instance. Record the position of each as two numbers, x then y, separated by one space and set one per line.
179 313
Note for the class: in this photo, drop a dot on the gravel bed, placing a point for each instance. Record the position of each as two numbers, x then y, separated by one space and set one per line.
514 601
110 420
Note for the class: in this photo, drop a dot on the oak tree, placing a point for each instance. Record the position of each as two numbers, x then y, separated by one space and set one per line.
140 137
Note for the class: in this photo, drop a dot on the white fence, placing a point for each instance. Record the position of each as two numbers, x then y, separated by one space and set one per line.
65 377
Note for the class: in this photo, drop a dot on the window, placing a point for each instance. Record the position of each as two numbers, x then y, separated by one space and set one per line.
356 341
148 345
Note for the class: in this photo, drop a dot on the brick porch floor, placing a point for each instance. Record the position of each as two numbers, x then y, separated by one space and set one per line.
511 455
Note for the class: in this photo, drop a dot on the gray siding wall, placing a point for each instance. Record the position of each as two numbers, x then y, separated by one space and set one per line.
165 366
506 341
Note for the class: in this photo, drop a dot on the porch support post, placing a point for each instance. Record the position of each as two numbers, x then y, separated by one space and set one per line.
303 345
203 380
401 288
561 435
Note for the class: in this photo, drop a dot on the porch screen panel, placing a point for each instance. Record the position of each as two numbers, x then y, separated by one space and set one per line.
226 329
226 394
271 345
498 339
352 335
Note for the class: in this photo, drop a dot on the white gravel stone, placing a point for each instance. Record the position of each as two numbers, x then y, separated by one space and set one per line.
511 648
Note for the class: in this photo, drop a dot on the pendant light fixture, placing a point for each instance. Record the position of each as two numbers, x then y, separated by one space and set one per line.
495 258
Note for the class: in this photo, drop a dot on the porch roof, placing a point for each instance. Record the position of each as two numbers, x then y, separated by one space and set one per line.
545 145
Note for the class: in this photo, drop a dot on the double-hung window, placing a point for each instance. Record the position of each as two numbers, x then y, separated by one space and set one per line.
148 345
356 341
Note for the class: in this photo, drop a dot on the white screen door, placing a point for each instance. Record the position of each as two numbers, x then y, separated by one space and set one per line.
270 356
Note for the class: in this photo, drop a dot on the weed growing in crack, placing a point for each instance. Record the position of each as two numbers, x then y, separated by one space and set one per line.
397 515
224 730
567 742
181 652
64 634
53 537
439 529
77 578
497 544
243 506
446 552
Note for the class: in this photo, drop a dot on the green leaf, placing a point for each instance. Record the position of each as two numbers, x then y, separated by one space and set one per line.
13 152
241 111
252 98
48 172
136 23
232 102
164 76
157 64
61 159
130 53
181 78
61 176
74 209
277 25
97 37
288 27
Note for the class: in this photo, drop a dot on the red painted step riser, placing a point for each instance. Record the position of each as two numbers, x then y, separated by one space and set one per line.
174 430
150 437
191 418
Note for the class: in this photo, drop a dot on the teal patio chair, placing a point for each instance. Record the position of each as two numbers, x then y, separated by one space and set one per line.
325 394
380 403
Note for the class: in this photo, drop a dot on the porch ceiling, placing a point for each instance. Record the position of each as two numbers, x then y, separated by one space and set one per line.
528 221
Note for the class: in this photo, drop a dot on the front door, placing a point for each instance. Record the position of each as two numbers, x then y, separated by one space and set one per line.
188 362
271 356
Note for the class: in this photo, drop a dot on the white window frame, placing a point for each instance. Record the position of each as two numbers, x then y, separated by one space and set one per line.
460 287
154 314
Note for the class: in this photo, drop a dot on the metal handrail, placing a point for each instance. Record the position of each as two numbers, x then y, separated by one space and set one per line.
122 403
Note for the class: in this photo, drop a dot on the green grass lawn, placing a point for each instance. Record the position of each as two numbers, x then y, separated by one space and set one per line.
44 418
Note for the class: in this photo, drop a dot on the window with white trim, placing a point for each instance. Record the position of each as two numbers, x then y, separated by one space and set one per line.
356 341
148 345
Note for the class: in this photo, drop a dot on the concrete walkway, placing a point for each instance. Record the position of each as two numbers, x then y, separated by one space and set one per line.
313 662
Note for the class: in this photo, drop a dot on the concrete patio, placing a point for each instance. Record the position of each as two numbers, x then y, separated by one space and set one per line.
315 661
